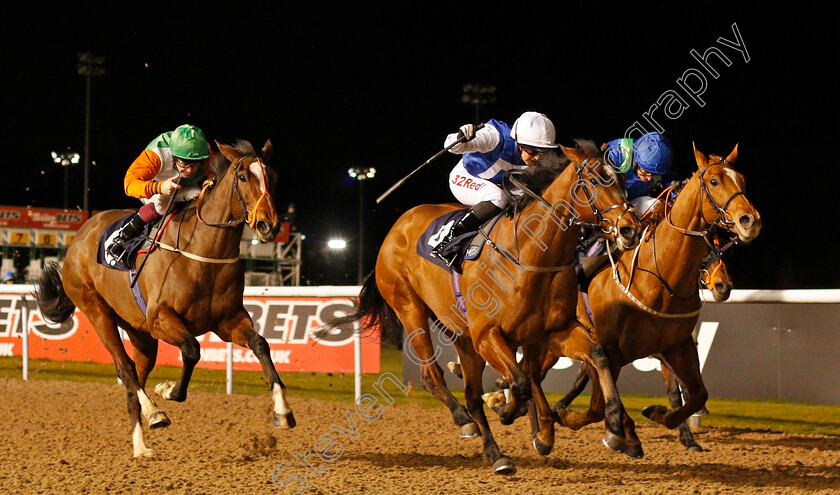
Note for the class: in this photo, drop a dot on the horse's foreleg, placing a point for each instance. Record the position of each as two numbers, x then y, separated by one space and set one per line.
579 345
240 331
472 366
675 398
169 327
685 363
542 417
578 348
577 388
495 350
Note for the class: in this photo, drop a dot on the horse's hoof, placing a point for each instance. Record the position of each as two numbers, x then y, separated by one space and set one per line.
159 420
494 400
694 448
633 450
143 453
285 421
164 390
470 430
650 411
541 448
502 384
614 442
455 369
504 466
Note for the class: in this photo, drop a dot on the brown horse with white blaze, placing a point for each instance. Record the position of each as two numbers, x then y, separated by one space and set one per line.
647 305
521 290
193 282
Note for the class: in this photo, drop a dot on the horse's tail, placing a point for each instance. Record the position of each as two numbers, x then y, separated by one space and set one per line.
373 313
53 302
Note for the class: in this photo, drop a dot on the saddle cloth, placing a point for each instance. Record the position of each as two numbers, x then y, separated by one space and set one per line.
468 245
132 246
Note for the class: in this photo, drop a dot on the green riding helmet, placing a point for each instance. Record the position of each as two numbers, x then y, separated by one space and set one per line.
188 142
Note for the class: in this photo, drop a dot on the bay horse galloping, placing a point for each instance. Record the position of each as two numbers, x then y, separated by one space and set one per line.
192 283
648 304
521 290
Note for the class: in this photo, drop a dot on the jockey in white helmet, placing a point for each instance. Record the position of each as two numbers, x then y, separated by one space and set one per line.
487 153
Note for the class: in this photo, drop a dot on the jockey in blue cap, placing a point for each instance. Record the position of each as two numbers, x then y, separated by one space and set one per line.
646 164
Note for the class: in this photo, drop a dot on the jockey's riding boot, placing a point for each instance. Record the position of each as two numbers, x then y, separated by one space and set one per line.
128 231
474 218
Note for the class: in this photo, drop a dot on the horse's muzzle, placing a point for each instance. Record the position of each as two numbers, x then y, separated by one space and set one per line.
266 231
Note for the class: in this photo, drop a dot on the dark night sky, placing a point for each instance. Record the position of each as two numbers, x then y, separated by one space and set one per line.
381 87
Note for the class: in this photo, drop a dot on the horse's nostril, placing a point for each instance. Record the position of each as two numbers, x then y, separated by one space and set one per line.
720 287
263 228
627 232
746 221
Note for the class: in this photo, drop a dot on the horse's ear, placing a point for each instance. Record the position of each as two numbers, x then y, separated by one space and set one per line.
604 147
228 151
733 156
702 161
266 150
573 154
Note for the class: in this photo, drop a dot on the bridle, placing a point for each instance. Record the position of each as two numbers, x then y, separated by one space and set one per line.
707 235
573 220
247 217
601 222
722 215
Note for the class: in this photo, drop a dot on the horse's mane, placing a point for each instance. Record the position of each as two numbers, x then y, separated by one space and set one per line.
551 165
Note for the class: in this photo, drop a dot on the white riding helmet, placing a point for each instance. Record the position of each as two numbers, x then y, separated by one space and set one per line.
534 129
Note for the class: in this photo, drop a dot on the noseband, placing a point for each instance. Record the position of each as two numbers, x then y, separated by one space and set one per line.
720 211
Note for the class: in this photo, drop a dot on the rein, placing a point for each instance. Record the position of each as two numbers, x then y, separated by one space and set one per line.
573 220
248 217
705 234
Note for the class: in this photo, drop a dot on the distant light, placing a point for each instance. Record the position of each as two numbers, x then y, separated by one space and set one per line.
361 173
66 158
254 241
337 244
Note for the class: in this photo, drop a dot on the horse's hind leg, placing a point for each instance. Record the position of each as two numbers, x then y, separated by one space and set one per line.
145 354
421 351
240 331
675 398
103 320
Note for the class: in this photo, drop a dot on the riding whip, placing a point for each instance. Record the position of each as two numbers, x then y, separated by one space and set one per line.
437 155
163 218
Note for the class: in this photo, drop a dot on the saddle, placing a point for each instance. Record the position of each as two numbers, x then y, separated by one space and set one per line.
132 246
468 245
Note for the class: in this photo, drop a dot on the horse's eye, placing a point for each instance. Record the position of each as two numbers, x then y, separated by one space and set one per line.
242 177
714 182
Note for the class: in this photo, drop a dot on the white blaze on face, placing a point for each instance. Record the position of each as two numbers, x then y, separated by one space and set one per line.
256 168
732 175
